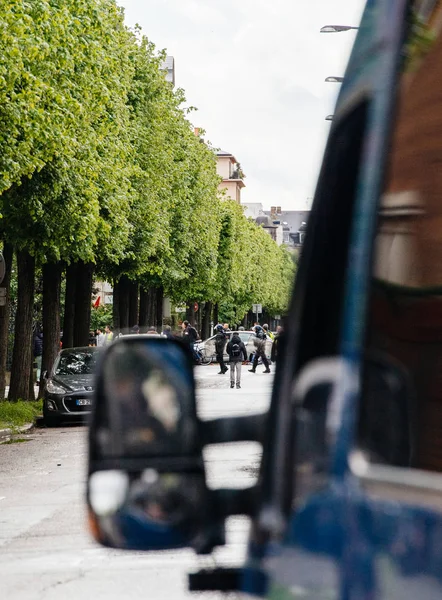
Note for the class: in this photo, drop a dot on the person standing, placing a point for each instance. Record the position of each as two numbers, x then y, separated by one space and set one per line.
190 336
237 352
108 335
167 331
268 332
100 338
260 345
220 342
38 351
275 345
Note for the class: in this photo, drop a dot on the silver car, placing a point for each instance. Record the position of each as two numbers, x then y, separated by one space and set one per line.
208 353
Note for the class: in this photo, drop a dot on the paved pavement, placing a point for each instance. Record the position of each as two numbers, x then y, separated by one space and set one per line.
45 550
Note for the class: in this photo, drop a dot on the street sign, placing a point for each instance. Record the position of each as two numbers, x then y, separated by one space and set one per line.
195 306
2 267
257 308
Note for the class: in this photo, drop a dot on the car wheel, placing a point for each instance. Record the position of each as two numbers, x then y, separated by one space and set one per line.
49 419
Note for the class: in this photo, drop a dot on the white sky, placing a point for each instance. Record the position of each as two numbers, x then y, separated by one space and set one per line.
255 70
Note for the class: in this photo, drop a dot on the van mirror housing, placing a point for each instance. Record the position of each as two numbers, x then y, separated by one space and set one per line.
146 485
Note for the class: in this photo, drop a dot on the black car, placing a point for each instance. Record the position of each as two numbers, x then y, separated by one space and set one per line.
69 385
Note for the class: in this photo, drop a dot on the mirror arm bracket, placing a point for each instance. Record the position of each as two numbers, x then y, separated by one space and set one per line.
235 501
235 429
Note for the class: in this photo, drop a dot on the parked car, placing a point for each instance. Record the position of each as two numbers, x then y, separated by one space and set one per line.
69 386
207 347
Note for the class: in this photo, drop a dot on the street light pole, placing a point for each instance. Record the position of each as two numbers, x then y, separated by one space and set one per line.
336 28
334 79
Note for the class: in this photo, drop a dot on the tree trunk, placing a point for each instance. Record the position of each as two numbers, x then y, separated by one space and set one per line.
116 307
51 316
133 303
69 306
215 314
190 314
22 362
205 321
152 307
83 303
4 317
159 296
124 303
143 319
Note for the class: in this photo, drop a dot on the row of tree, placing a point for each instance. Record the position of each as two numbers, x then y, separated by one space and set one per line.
102 177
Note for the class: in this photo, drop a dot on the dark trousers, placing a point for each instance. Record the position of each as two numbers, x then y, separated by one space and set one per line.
220 359
260 354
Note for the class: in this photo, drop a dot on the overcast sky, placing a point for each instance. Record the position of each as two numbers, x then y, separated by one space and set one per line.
255 70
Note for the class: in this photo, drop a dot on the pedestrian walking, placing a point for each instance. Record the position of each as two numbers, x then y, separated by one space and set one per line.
220 343
38 352
260 353
237 352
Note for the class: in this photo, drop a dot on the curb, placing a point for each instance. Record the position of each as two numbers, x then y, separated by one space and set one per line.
8 433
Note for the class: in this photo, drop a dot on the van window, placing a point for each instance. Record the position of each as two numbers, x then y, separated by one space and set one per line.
405 314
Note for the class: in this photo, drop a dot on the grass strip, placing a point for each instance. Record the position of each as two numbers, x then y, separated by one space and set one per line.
17 414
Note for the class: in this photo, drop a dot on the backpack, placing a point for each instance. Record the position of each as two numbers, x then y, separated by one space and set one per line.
235 350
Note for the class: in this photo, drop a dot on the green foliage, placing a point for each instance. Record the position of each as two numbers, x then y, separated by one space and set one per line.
99 163
101 316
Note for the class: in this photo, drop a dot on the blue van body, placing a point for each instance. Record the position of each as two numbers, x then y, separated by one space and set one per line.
341 542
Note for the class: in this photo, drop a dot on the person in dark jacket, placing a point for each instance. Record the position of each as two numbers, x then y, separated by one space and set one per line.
275 345
237 352
38 351
220 342
260 345
190 336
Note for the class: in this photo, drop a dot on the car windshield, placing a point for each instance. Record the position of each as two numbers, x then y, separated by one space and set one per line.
77 362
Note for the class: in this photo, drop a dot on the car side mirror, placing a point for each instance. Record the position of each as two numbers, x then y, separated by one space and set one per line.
146 485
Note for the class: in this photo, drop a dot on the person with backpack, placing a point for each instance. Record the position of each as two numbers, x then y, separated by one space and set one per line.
220 342
260 345
237 352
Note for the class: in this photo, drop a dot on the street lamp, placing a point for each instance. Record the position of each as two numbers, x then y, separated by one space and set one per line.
329 117
334 79
336 28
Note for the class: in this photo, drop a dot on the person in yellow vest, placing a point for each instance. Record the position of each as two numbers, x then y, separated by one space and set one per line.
108 335
269 333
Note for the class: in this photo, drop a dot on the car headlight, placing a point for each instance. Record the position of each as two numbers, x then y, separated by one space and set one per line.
54 388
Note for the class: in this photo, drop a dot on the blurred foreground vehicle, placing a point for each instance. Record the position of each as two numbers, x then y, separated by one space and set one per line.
348 502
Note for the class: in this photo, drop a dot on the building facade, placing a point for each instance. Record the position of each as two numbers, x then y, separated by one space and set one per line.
229 169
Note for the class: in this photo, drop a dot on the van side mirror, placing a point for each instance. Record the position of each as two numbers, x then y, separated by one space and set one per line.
146 486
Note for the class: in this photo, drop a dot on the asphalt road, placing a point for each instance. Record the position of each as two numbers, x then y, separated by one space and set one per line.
45 549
